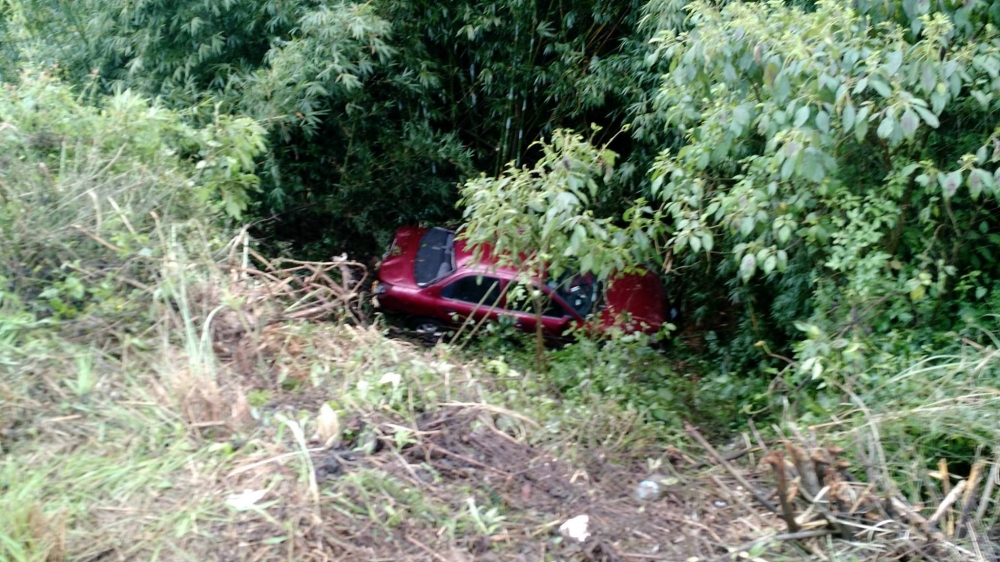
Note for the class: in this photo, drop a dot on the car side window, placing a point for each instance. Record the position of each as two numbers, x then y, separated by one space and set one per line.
519 299
473 289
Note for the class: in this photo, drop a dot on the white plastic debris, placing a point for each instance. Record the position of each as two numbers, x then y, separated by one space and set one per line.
648 490
245 500
327 426
391 378
653 488
576 528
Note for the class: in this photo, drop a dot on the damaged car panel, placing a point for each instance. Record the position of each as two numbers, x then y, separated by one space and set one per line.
431 274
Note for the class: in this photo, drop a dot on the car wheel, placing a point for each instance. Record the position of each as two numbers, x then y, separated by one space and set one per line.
427 327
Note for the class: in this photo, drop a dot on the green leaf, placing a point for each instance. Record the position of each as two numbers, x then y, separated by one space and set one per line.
980 292
695 243
984 98
938 100
950 182
784 234
707 242
823 122
893 62
741 115
787 168
801 116
975 186
909 123
769 264
848 116
886 127
748 265
657 184
811 169
881 87
927 116
861 129
758 548
979 180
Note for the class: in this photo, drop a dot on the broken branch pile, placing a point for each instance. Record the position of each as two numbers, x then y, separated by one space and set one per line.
307 289
815 493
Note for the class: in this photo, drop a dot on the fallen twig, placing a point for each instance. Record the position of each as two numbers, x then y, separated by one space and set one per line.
984 501
777 462
738 499
425 548
495 410
731 456
966 505
947 503
780 537
464 458
757 494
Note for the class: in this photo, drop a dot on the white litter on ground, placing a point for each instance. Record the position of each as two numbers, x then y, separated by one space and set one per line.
576 528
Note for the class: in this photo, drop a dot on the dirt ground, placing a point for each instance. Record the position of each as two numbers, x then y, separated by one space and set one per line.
470 481
458 457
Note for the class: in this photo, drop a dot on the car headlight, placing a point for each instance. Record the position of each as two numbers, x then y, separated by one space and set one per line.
381 288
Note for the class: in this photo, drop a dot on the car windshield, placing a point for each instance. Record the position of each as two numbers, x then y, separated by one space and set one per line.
579 292
435 257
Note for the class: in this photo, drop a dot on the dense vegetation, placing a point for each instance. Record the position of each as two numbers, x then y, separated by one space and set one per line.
817 182
802 172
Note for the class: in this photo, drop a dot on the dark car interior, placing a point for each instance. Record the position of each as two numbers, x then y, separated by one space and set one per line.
435 257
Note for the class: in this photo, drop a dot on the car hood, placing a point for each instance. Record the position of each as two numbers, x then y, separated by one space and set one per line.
397 265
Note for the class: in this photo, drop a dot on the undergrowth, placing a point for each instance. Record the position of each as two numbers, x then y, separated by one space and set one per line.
161 399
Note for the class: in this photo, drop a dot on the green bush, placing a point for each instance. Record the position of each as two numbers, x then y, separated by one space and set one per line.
84 186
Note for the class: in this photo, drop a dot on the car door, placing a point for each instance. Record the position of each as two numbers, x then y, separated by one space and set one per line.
471 296
519 306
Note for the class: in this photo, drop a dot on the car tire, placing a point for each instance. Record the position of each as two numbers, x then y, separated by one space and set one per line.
427 326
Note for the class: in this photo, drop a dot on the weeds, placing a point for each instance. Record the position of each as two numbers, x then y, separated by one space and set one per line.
160 384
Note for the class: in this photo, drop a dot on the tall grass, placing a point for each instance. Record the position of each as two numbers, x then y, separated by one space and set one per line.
141 383
941 408
101 203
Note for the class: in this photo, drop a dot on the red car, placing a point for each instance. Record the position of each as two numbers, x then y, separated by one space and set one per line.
432 276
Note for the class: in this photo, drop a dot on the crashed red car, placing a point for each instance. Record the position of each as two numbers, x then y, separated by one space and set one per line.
432 276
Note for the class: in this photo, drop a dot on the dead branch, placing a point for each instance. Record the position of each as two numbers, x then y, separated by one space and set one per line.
780 537
777 462
947 503
731 456
988 489
970 492
757 494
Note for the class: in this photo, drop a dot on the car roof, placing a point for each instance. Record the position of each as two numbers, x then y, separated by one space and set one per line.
465 260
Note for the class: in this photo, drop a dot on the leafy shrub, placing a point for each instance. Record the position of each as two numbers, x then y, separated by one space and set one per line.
84 186
861 153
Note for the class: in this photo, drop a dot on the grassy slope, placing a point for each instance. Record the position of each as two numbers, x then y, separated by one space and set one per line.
177 379
134 453
130 450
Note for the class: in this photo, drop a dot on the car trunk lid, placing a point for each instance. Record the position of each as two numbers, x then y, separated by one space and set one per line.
397 265
640 295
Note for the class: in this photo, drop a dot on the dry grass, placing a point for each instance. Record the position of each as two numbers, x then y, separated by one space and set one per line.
137 445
